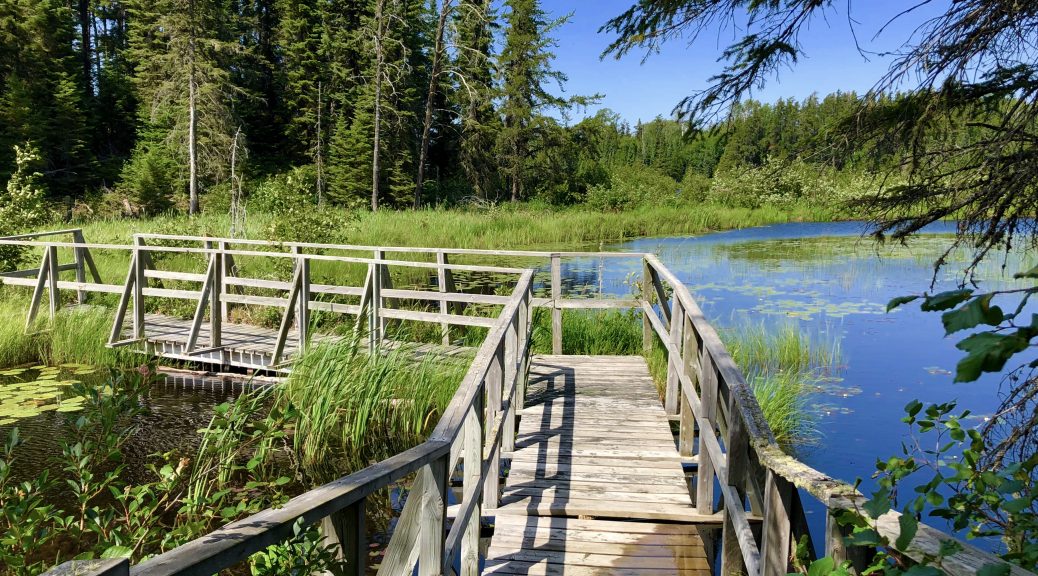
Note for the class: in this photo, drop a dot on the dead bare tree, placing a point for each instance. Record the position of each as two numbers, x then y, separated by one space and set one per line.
446 8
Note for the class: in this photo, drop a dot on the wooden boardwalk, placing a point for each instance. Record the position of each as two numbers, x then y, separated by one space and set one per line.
252 347
596 484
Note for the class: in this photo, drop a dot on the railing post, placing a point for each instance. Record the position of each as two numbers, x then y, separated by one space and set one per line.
737 447
494 383
556 301
215 302
37 293
647 290
347 533
80 262
705 473
374 322
138 289
228 270
674 360
441 281
52 281
472 476
434 510
510 378
777 532
303 315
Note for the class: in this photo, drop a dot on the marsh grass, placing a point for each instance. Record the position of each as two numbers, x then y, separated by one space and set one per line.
77 336
591 332
353 408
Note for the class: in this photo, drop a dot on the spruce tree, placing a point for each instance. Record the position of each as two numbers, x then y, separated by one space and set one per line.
525 67
475 95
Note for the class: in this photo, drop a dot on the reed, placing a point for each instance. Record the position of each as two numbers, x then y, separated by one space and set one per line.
354 408
590 332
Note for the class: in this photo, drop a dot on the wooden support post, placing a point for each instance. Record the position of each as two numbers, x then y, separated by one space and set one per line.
37 293
647 291
124 303
228 270
77 237
80 261
510 376
286 320
705 474
686 433
138 290
303 316
674 361
472 476
215 302
347 532
385 282
493 383
374 321
52 281
441 282
837 549
556 310
731 553
434 511
200 307
775 547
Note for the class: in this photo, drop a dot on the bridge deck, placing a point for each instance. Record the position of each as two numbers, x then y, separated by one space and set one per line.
596 484
248 346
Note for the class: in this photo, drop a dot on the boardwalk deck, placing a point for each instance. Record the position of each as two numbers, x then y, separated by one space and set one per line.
596 484
248 346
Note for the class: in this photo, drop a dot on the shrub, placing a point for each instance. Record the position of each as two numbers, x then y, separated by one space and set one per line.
150 180
21 206
695 187
632 186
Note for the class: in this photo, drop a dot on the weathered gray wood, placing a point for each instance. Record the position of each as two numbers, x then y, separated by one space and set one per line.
661 295
138 291
203 303
233 543
303 316
52 281
79 261
37 293
473 489
216 311
434 512
288 316
346 532
100 567
674 361
775 547
648 313
124 303
705 475
494 387
556 312
441 283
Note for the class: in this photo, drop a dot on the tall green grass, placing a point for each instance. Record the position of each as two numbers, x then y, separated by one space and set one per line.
589 332
353 408
77 335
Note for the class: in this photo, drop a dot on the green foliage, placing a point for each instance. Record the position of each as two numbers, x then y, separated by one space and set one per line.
631 187
956 481
21 206
151 179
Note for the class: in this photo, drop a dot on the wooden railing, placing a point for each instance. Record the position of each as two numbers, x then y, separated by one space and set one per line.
721 428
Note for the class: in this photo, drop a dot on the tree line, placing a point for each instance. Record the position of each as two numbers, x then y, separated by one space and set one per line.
399 103
395 102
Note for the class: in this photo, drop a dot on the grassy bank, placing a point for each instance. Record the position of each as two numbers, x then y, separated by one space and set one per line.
510 226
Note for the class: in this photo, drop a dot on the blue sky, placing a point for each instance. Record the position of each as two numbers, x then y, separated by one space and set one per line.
639 90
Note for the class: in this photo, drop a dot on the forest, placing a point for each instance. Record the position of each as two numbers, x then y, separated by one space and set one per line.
134 108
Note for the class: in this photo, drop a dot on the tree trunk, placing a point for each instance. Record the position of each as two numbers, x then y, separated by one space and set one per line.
375 168
434 78
320 149
85 21
192 121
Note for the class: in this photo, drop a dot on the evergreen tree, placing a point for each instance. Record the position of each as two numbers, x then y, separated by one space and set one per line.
525 65
475 95
180 49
